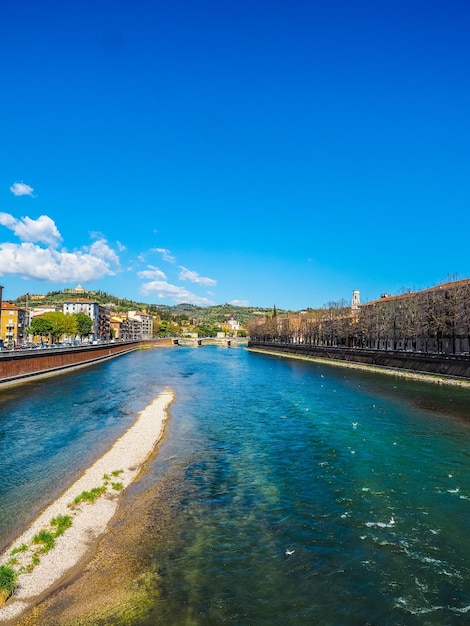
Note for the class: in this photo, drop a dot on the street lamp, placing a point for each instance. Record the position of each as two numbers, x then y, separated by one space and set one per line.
27 317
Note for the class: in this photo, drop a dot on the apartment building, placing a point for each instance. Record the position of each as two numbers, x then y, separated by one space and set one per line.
146 322
13 325
100 316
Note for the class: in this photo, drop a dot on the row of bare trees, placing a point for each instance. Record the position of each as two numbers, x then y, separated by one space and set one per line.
433 320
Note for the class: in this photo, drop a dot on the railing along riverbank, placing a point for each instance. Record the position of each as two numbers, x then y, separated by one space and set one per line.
451 366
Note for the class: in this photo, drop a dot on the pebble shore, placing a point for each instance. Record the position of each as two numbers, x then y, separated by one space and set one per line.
122 464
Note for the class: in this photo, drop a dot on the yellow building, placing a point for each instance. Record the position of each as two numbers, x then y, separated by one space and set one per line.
119 325
12 325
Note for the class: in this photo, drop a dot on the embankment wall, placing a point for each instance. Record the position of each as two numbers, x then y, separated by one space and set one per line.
455 366
19 366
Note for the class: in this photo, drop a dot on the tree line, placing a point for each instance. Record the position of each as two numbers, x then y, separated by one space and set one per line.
432 320
55 324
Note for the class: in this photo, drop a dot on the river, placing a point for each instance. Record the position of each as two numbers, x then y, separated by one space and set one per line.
291 492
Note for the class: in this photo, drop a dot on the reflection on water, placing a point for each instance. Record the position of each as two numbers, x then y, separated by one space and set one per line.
288 492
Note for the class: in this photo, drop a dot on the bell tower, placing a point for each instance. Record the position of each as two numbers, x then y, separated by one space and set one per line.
356 301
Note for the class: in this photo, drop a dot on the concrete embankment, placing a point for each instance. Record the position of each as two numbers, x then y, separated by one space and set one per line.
22 365
439 368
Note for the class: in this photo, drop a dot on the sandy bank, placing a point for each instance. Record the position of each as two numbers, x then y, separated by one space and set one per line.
112 473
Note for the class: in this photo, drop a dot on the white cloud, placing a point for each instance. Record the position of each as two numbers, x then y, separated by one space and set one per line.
101 250
8 220
162 290
166 255
31 261
42 230
240 302
152 272
21 189
194 277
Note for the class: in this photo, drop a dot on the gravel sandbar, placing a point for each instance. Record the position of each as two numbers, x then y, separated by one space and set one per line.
116 469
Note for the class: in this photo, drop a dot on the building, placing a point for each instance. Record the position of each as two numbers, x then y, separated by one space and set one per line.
356 301
132 326
119 326
36 296
146 321
231 325
126 328
77 289
40 309
104 323
13 324
234 324
81 305
134 329
436 319
100 316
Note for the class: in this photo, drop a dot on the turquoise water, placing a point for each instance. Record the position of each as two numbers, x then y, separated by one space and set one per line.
290 493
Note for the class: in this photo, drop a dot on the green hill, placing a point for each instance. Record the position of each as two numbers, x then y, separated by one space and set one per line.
184 311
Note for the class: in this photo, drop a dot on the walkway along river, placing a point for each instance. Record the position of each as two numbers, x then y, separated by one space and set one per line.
284 492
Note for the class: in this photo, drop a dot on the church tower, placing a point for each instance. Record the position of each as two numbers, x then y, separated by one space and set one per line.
356 301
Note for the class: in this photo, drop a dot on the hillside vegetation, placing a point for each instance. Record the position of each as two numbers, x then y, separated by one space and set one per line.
184 311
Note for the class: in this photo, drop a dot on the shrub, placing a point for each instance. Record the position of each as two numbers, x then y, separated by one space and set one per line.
45 538
8 578
35 561
61 523
90 496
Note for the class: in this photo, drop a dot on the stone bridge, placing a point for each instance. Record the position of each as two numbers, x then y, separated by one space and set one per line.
227 342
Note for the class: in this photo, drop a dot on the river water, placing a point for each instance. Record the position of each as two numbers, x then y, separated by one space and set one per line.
291 493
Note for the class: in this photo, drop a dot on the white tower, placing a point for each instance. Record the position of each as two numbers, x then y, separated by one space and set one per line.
356 301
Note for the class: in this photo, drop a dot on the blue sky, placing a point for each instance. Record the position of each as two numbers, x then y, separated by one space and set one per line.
259 152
